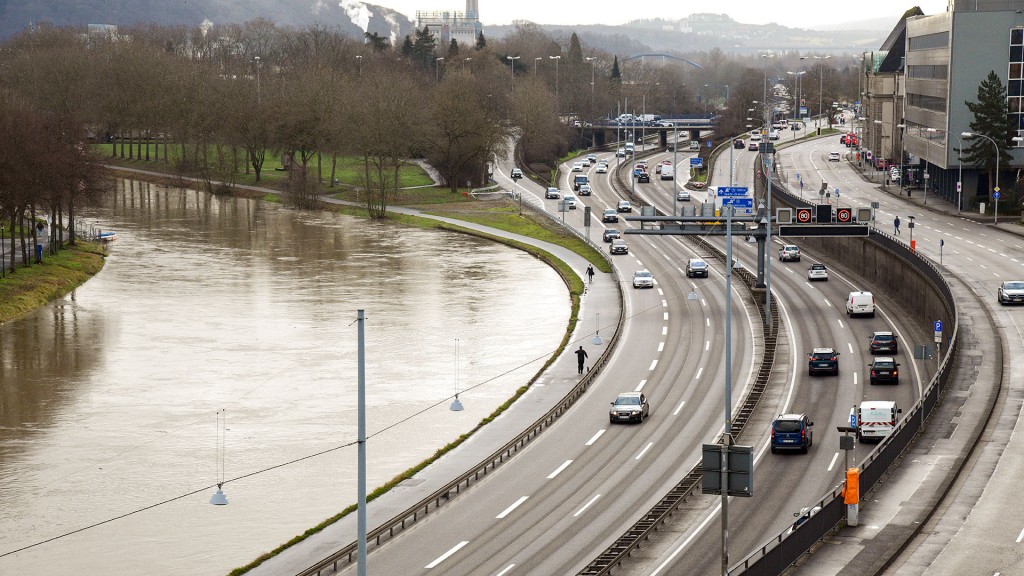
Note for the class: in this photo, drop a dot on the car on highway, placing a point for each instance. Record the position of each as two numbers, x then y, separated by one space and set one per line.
884 370
834 157
620 153
774 135
823 361
643 279
592 159
662 164
552 193
817 272
629 407
696 267
602 168
610 215
739 144
516 173
1010 292
570 201
752 146
577 166
860 303
789 253
618 246
883 343
643 177
694 145
624 206
585 190
610 234
683 195
641 163
792 432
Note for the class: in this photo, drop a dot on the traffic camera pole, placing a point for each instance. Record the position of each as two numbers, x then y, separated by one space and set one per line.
727 437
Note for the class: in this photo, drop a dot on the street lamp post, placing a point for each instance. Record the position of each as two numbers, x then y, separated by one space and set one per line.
3 257
437 69
996 189
512 68
878 123
592 60
796 85
556 59
535 60
359 63
902 153
960 166
821 85
257 58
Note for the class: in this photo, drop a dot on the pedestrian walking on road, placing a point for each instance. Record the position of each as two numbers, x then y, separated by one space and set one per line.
590 273
896 224
581 355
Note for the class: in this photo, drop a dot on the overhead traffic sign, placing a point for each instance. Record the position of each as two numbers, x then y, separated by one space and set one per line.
696 162
844 215
803 215
732 191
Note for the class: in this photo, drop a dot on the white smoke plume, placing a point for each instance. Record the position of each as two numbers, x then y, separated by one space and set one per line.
205 27
357 12
318 6
395 28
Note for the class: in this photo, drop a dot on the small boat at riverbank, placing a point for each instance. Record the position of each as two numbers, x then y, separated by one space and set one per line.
106 236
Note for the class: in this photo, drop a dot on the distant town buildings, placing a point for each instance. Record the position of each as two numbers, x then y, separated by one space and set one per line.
464 27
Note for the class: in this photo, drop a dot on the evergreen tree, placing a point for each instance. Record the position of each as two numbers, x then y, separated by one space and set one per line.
453 48
991 118
424 48
407 47
481 42
575 55
376 41
616 76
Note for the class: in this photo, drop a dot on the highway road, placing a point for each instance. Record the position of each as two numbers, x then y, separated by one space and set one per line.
978 530
813 315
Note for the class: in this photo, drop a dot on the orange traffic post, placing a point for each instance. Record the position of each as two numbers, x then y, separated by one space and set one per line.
851 496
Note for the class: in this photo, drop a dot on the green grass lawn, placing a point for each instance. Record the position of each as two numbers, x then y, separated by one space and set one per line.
29 288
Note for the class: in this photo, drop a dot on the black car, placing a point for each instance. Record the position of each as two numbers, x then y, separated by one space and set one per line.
883 343
884 370
643 177
610 234
823 361
739 144
696 267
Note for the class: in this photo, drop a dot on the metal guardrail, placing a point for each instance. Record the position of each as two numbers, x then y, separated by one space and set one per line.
778 553
388 530
613 556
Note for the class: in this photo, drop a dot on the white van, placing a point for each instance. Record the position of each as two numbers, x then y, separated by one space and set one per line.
668 172
860 303
630 148
876 419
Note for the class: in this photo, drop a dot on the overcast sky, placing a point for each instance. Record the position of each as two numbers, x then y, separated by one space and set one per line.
793 13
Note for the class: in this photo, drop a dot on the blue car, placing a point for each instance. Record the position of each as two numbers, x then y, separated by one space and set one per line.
792 432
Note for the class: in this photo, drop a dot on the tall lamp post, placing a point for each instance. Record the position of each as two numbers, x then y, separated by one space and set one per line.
257 58
3 257
592 60
821 85
535 60
902 153
437 69
556 59
512 68
878 124
796 85
996 189
359 63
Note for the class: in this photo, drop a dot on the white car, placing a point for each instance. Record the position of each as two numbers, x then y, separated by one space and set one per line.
643 279
602 168
553 193
585 190
577 166
683 195
817 272
789 253
833 156
570 201
624 206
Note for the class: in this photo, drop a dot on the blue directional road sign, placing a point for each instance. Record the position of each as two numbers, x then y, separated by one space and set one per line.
696 162
853 419
732 191
995 195
938 325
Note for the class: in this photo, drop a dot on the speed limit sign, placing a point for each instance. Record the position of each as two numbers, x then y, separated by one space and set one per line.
803 215
844 215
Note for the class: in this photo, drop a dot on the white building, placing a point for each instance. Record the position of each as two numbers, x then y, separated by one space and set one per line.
464 27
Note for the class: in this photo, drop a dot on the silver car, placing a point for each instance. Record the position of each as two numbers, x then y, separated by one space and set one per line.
1011 292
789 253
817 272
643 279
629 407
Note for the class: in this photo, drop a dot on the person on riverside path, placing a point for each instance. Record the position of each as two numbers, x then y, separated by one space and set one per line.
581 355
590 273
896 224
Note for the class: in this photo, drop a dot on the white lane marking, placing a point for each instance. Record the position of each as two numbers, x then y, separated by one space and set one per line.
644 451
559 469
854 378
851 347
509 510
678 408
661 346
595 437
587 505
1020 536
707 322
666 315
640 386
699 372
661 292
829 303
840 322
703 302
833 462
653 364
505 571
445 556
707 345
664 330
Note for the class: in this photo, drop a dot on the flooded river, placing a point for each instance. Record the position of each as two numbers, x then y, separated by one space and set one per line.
109 398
